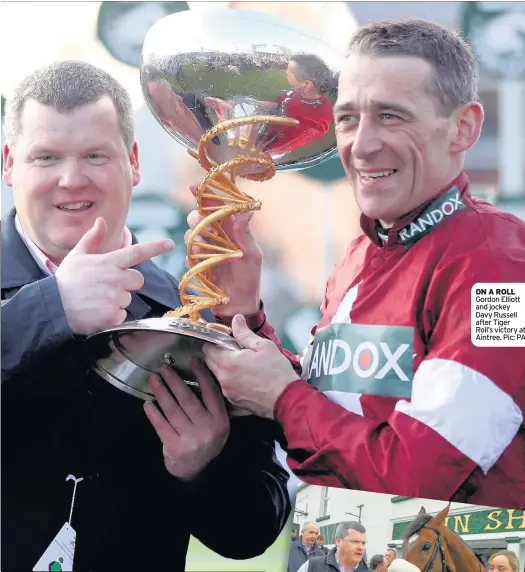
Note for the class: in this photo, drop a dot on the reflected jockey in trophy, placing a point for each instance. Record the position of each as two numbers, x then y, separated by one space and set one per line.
313 85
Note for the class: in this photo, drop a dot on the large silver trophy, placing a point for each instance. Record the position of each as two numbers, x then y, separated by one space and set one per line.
247 94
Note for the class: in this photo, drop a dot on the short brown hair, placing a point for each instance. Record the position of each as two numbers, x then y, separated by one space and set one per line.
343 528
455 80
66 85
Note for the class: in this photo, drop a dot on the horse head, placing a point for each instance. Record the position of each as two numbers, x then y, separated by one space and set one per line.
424 543
430 545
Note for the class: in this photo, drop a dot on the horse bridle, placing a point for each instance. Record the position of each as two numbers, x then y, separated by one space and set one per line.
437 546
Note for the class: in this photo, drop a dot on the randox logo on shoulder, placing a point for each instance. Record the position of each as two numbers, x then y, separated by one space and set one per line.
353 358
439 210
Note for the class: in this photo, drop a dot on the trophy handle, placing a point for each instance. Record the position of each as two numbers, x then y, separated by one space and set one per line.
219 185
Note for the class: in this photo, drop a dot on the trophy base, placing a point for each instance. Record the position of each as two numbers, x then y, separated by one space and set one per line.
128 354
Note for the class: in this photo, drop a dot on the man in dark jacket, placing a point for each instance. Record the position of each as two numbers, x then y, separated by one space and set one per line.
348 554
117 486
304 548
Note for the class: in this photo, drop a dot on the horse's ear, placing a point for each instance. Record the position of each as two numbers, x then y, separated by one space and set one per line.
422 511
440 517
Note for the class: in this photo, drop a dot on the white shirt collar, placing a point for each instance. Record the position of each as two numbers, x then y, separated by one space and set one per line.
342 567
46 265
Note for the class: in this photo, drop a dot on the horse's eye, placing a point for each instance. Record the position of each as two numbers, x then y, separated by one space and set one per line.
427 546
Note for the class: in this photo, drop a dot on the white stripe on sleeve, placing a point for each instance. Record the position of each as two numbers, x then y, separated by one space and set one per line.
465 407
350 401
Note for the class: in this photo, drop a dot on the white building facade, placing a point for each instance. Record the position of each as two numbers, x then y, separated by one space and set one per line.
385 517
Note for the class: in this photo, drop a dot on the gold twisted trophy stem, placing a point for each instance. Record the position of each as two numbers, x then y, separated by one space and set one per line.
218 184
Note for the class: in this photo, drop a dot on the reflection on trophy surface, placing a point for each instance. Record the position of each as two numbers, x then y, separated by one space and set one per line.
247 94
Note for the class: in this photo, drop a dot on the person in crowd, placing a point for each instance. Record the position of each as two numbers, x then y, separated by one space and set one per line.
390 555
305 548
346 556
378 563
504 561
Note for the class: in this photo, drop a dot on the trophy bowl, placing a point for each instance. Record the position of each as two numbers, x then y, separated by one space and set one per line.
247 94
128 354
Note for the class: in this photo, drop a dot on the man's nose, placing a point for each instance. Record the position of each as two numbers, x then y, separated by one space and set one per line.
366 140
72 175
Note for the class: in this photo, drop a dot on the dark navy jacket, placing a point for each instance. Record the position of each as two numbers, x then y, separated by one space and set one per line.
328 563
298 555
59 419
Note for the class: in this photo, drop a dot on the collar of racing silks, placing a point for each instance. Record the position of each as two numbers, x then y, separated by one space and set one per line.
422 220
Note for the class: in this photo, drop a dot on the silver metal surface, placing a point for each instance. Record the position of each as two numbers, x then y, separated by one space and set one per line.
201 67
128 354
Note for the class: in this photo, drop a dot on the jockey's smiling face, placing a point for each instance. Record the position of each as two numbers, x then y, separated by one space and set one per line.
398 146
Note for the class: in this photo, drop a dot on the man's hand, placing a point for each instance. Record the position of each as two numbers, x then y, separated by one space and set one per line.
241 278
96 288
254 377
192 432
